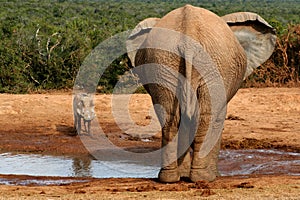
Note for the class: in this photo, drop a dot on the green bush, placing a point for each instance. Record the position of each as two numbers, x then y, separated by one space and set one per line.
44 43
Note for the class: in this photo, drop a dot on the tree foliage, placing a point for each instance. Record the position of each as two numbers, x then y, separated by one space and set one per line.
44 43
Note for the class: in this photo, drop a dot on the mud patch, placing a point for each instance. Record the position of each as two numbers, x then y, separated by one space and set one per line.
252 143
244 185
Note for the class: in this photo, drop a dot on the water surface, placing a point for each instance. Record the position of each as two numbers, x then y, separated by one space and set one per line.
231 162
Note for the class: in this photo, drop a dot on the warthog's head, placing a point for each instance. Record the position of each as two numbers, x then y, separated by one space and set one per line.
84 106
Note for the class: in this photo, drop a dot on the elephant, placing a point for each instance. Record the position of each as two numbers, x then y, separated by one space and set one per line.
187 60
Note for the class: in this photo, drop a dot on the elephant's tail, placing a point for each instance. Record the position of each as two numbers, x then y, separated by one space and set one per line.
190 102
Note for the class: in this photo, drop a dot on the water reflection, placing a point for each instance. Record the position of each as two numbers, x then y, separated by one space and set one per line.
232 162
82 166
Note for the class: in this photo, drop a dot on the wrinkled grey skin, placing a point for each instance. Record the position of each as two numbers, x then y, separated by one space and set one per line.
236 43
83 109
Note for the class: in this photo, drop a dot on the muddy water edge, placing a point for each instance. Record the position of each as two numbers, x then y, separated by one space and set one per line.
64 168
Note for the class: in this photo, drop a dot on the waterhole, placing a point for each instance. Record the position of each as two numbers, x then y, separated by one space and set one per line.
231 162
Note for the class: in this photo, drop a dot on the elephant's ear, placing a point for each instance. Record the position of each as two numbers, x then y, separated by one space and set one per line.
138 36
256 36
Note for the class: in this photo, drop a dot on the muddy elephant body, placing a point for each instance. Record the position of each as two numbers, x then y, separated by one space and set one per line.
191 49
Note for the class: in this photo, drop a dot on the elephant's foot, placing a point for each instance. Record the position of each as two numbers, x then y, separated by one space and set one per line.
203 175
185 165
169 175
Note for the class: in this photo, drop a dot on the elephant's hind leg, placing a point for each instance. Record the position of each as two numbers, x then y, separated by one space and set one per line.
185 138
168 114
184 164
204 168
169 172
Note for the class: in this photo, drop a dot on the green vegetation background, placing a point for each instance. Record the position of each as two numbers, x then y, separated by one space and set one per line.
44 43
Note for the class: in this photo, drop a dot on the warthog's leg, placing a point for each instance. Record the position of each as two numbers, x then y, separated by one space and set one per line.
87 126
79 125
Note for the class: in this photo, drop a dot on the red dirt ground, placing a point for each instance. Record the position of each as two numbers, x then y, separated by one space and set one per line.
266 118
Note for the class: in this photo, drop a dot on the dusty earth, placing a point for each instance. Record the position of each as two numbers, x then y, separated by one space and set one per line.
266 118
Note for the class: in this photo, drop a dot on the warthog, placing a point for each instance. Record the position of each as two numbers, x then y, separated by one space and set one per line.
83 108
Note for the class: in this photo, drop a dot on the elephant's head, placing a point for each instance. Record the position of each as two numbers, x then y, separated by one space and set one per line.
255 35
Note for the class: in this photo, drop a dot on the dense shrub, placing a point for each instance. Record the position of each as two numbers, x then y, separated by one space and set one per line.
283 67
44 43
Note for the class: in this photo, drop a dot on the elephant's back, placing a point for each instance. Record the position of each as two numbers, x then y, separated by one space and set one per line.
215 36
195 22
